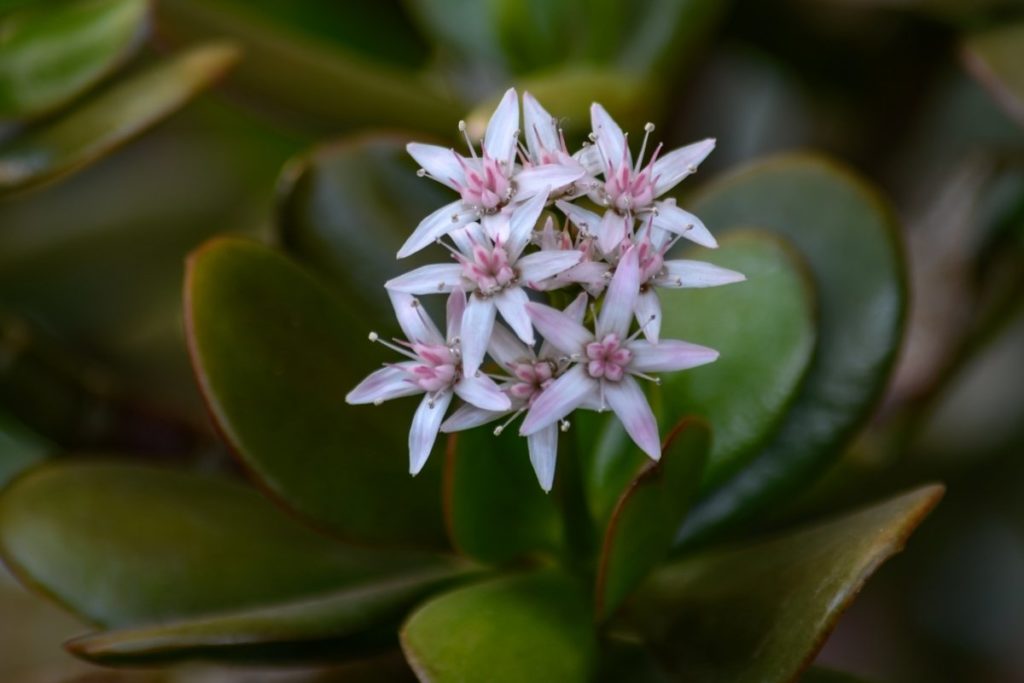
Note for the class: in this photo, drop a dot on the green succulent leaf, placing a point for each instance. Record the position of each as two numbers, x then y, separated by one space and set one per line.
110 118
529 627
20 448
759 612
51 54
274 351
123 545
763 328
644 523
337 213
848 237
996 59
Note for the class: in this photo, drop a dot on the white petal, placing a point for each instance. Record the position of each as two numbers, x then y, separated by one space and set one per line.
521 224
469 416
590 159
673 219
620 299
541 130
631 406
684 273
543 447
544 264
454 311
612 229
670 169
668 355
561 331
561 397
543 179
575 312
442 163
481 391
383 385
433 279
423 432
648 314
506 349
610 139
467 236
438 224
587 221
500 136
590 274
512 304
477 322
414 321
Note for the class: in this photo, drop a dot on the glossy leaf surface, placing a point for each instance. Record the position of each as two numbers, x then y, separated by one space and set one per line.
20 448
996 58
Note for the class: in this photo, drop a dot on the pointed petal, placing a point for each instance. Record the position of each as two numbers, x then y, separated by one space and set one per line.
506 349
414 321
544 179
500 136
521 224
512 304
442 163
648 314
590 159
612 229
668 355
685 273
544 264
670 217
587 221
423 432
575 312
495 226
466 236
561 397
560 330
436 278
469 416
541 130
481 391
670 169
477 322
590 274
620 299
438 224
543 447
383 385
610 139
631 406
454 311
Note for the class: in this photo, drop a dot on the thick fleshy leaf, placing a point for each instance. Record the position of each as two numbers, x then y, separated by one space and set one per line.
530 627
275 352
764 332
996 59
848 237
355 620
20 448
123 545
494 507
338 212
51 53
650 510
110 118
760 612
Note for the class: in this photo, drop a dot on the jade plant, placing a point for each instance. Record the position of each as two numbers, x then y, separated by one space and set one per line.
613 541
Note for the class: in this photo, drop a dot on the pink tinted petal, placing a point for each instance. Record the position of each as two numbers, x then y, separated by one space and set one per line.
673 219
648 314
442 163
454 310
590 274
383 385
521 223
620 299
562 397
543 446
542 179
506 349
630 405
433 279
668 355
575 312
612 229
587 221
590 158
467 236
477 322
670 169
469 416
438 224
544 264
541 131
512 304
414 321
610 139
684 273
500 136
481 391
561 331
425 424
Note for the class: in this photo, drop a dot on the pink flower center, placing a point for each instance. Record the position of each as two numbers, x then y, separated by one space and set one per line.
487 187
438 371
608 358
626 190
652 261
533 378
489 270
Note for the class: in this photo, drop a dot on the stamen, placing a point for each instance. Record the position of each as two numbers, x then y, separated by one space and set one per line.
374 337
469 143
648 129
500 428
564 426
649 378
640 329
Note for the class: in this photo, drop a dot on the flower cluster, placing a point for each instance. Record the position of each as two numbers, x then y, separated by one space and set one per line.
549 362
